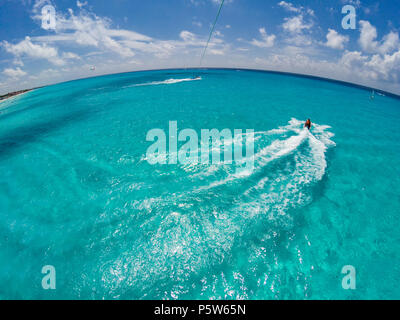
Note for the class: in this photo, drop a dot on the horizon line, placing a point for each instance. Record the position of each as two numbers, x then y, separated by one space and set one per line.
293 74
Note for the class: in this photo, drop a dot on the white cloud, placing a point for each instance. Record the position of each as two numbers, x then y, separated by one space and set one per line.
390 43
296 24
356 3
202 2
335 40
298 30
218 2
88 30
81 4
368 40
18 62
267 40
70 55
39 5
300 40
187 36
32 50
352 59
14 73
387 67
377 67
289 6
197 24
310 12
368 36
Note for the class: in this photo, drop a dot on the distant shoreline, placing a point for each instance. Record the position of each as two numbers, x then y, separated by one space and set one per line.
14 94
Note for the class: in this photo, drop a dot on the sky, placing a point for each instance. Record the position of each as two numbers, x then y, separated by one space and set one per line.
94 37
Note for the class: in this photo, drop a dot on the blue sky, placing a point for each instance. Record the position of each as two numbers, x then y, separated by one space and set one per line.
123 35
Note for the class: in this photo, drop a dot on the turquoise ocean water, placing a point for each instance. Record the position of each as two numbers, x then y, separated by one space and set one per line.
76 191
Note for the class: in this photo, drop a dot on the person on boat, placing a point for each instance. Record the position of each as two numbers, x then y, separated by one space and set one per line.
308 124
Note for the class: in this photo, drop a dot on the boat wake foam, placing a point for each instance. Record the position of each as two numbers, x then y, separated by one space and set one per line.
168 81
200 222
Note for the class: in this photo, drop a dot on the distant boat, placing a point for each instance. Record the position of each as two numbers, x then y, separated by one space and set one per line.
92 68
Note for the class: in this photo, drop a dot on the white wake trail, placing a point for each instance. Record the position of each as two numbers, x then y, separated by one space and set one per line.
169 81
311 166
201 229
